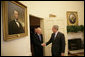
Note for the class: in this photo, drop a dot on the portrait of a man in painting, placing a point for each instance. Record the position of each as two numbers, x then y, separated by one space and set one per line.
14 20
15 27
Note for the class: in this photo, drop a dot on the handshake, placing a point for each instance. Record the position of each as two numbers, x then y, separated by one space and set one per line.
43 44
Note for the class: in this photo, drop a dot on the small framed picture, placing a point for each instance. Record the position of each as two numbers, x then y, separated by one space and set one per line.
14 20
72 18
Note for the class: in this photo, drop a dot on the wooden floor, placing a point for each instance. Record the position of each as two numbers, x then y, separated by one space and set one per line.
77 54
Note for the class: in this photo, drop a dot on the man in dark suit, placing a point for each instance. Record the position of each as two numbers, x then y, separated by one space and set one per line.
14 26
38 40
58 42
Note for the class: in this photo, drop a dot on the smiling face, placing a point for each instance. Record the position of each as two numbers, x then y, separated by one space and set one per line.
39 31
16 14
54 30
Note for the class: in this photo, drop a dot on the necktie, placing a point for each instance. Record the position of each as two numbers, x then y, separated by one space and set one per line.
40 37
54 36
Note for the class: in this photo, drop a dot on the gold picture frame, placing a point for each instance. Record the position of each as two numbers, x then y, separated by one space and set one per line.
14 20
72 18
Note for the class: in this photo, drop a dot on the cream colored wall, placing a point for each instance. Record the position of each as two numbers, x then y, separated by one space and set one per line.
46 25
21 47
59 8
18 47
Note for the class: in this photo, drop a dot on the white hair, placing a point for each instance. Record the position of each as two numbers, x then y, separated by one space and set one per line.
38 28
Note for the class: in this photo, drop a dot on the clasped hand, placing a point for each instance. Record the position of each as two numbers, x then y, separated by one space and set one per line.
43 44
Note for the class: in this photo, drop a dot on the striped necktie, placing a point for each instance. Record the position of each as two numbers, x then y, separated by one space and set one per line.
39 37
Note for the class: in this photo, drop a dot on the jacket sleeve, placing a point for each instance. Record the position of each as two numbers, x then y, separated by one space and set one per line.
62 43
50 41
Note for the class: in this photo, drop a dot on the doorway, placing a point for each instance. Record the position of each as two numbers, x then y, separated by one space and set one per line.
34 23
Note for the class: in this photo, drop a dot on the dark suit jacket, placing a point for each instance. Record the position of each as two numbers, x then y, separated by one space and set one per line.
38 49
58 45
14 29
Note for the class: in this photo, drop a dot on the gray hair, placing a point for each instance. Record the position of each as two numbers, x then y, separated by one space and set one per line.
56 27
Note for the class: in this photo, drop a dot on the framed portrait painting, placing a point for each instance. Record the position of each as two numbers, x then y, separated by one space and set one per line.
14 20
72 18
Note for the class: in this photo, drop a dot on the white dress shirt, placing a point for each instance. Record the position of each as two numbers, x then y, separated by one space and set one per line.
56 34
17 23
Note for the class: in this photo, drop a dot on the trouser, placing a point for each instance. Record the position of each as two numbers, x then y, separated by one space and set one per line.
57 54
38 51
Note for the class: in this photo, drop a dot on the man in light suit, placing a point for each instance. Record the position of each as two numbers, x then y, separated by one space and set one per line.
14 26
58 42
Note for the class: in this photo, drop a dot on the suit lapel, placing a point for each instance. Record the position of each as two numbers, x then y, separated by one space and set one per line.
38 38
15 24
56 36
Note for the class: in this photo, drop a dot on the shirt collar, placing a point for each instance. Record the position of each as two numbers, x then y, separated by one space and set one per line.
16 20
38 34
56 33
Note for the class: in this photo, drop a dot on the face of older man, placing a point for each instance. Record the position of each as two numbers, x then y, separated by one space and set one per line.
39 31
16 14
54 30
